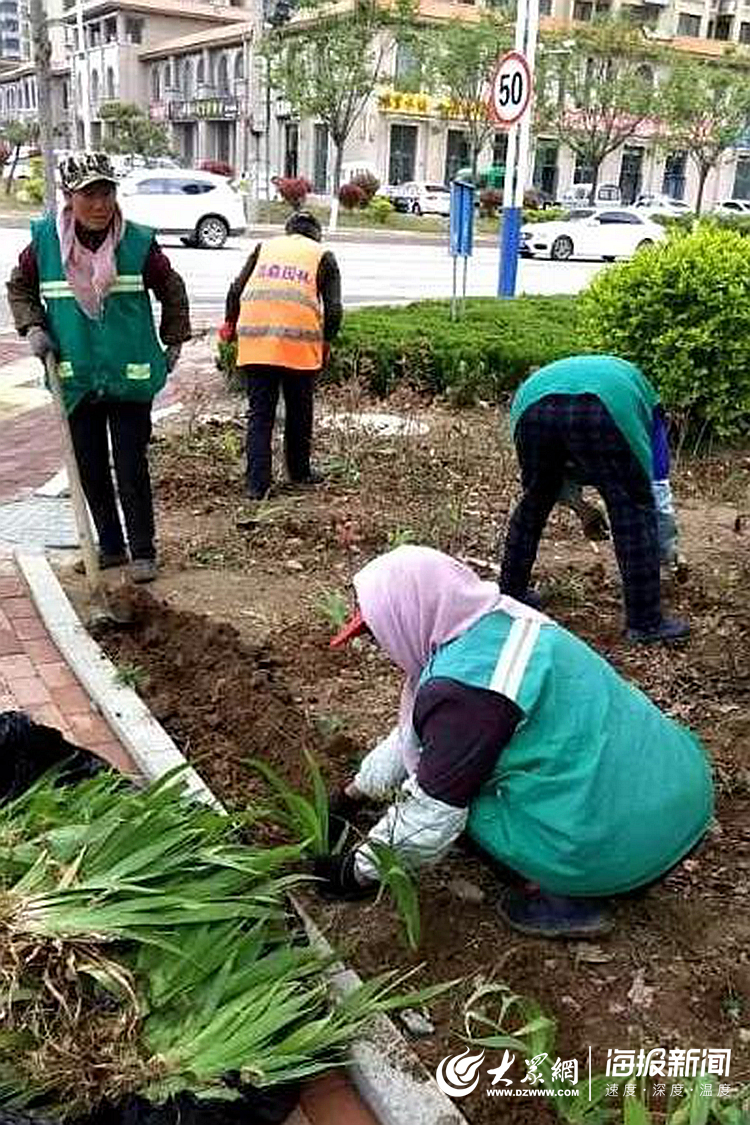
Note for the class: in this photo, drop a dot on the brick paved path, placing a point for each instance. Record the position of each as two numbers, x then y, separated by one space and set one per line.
30 445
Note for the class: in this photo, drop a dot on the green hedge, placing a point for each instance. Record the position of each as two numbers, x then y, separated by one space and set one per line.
485 353
681 311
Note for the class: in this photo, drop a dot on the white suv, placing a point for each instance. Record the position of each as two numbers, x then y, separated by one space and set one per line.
203 207
424 198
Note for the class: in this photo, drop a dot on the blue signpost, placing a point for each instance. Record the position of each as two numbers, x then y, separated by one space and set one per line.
508 103
461 234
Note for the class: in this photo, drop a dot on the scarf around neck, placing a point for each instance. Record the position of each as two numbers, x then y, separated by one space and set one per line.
90 273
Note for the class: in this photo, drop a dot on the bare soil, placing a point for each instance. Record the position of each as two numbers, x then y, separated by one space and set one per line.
230 651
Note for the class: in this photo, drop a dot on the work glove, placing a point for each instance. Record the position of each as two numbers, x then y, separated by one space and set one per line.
338 879
172 356
40 343
342 813
326 353
228 332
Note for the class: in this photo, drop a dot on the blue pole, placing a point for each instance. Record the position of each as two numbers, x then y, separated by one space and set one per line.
510 240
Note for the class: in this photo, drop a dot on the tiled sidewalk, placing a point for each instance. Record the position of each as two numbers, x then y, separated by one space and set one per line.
35 678
30 443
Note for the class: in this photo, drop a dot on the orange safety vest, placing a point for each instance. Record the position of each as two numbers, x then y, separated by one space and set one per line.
281 321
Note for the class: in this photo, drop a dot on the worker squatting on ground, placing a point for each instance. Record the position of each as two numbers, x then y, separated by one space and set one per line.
516 732
285 309
80 293
596 420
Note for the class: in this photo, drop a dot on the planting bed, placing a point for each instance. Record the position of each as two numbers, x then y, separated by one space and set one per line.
230 651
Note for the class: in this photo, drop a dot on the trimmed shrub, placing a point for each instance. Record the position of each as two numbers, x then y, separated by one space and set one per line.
294 190
484 354
681 311
490 202
351 196
547 215
218 167
379 209
368 183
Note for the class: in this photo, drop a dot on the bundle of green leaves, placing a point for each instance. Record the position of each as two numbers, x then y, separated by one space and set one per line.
145 950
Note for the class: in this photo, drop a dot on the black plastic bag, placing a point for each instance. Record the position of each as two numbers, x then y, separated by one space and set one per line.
29 749
270 1106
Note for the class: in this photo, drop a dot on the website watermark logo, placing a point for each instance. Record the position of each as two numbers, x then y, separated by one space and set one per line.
458 1076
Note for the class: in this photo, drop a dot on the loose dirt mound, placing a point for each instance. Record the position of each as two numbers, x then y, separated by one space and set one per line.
223 703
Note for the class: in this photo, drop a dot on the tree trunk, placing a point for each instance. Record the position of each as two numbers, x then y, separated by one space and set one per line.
337 162
42 61
595 182
703 171
12 169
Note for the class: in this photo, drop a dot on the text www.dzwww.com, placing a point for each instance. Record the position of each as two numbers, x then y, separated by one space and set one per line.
496 1093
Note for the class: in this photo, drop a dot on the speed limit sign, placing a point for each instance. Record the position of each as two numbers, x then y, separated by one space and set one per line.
510 89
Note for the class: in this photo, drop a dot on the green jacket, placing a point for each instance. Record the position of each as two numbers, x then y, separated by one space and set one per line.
597 792
619 385
118 355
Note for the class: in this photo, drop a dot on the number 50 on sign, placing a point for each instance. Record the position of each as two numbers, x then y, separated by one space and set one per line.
510 89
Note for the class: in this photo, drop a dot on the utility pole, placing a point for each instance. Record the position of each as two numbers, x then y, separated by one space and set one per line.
85 76
42 64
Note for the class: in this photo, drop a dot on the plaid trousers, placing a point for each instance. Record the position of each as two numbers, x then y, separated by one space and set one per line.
577 431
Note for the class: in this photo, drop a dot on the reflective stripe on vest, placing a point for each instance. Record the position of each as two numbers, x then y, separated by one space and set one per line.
514 657
123 283
281 323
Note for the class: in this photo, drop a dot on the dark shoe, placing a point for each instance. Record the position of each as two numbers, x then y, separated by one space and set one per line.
312 479
669 630
531 598
554 916
255 495
143 570
106 561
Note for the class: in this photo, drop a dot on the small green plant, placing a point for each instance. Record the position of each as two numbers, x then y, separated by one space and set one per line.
400 536
380 209
304 817
400 883
226 363
132 676
333 607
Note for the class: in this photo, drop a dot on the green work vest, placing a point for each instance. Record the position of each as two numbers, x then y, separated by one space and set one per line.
597 792
117 356
619 385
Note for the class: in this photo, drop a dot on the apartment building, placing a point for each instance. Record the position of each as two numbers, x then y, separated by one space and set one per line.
405 134
206 88
194 67
14 31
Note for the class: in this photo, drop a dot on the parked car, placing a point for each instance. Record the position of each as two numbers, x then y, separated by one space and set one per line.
422 198
579 195
661 205
202 207
590 233
734 206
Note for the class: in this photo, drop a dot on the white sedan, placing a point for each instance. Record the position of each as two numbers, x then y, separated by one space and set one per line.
590 233
202 207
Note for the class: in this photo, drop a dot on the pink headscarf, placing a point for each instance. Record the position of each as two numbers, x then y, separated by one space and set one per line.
415 599
90 273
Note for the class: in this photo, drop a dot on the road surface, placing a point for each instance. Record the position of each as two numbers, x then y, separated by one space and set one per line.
372 272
